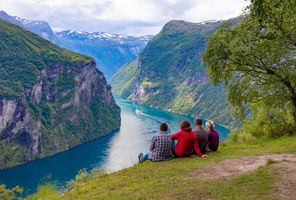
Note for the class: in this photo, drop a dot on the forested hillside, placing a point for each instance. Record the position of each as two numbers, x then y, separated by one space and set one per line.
169 74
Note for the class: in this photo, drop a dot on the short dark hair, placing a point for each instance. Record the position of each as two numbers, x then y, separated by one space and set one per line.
198 121
163 127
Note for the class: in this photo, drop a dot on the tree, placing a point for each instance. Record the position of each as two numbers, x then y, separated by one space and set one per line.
256 59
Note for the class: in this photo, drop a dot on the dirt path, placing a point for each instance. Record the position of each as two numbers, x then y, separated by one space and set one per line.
234 167
284 164
285 185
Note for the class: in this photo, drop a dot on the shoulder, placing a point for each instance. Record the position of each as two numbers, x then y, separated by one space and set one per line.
178 134
204 131
154 137
192 133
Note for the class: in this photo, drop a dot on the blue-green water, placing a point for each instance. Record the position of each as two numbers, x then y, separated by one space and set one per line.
111 152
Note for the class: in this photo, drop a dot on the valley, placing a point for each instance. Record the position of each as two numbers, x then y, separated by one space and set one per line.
170 75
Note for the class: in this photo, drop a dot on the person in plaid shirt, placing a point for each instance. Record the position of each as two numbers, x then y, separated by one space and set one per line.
161 146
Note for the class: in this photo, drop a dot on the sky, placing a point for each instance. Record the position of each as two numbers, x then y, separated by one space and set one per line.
127 17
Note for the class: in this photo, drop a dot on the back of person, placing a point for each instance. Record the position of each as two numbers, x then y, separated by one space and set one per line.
161 147
202 138
213 136
213 140
186 141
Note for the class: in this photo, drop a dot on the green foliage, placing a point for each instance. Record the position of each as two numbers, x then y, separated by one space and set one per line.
265 122
11 155
65 81
256 62
41 112
46 192
23 55
10 194
123 81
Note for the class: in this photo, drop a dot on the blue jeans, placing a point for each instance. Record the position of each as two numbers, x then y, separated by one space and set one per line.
145 157
173 148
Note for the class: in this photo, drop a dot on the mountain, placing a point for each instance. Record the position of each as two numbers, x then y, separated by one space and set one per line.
40 28
110 51
169 74
51 99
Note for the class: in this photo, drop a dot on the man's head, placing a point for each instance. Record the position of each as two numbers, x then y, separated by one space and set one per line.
198 122
163 127
185 126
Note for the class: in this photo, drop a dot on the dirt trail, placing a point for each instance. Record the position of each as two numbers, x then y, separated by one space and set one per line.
237 166
285 185
285 166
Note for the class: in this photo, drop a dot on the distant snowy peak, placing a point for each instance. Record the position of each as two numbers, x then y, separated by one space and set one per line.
102 36
38 27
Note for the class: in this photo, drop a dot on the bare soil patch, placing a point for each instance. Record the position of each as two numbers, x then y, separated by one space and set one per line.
238 166
283 164
285 184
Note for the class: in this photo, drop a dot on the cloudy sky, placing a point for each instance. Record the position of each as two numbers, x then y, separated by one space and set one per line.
129 17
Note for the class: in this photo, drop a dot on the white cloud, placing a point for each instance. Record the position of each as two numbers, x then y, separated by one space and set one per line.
131 17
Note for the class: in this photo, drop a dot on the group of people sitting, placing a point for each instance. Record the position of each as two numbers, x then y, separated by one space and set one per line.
184 143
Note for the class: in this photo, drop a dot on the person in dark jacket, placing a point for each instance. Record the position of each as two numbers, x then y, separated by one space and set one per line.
161 146
202 135
186 141
213 136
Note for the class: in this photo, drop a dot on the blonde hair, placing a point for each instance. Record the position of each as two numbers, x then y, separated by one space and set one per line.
210 125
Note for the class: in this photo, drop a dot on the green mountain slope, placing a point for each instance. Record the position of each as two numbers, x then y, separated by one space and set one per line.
50 99
169 74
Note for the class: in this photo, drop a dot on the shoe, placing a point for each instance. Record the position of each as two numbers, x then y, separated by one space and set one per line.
139 157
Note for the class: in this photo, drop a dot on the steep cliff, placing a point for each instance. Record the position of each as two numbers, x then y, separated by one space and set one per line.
50 99
169 74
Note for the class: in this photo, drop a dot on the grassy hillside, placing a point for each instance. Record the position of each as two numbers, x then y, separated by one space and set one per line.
124 79
174 179
169 74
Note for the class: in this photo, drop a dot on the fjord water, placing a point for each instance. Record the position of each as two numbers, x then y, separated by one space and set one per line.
110 153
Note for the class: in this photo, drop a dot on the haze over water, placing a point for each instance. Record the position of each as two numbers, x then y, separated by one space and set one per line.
111 152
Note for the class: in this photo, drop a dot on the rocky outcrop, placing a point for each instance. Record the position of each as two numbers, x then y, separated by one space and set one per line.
20 126
17 126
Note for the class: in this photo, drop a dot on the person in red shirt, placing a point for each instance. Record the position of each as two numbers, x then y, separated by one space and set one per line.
186 141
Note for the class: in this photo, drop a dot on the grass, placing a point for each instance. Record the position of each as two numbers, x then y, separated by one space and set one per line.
167 180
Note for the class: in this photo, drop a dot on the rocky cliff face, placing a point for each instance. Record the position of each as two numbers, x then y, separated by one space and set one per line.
17 126
50 99
20 126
